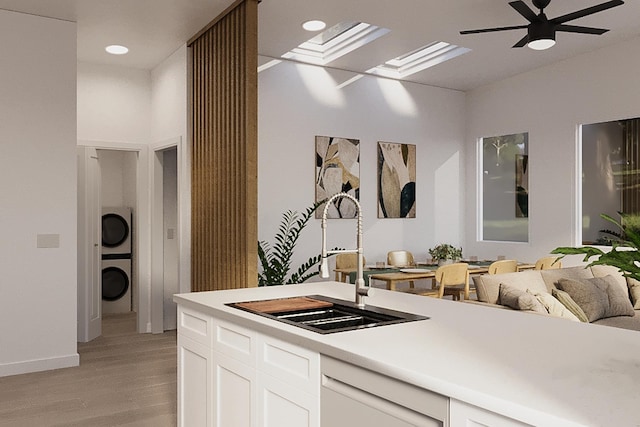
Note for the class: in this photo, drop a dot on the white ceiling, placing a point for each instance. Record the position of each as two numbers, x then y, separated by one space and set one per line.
153 29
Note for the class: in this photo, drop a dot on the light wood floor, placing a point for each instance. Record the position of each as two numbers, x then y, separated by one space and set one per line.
124 379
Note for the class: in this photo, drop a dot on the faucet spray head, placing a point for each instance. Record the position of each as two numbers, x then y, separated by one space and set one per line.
324 267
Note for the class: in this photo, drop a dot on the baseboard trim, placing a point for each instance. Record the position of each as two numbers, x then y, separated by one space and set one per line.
28 366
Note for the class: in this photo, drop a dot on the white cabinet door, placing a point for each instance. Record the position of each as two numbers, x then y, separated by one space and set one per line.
234 393
465 415
194 383
281 405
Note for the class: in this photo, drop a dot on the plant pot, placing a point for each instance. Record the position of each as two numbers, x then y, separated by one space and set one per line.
442 262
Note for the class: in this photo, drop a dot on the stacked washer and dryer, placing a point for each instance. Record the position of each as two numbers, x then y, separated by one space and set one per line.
116 260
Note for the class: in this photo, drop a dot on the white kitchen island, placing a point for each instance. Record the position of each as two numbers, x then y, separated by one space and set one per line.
467 365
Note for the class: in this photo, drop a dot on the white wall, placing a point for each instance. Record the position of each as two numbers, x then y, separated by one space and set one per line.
550 103
38 195
169 125
169 97
114 104
298 102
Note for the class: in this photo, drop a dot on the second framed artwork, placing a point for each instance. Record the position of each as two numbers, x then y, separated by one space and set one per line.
396 180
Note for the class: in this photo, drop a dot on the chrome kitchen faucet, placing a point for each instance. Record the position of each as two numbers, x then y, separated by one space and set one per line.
361 289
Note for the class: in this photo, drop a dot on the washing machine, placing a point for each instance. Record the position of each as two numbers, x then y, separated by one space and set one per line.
116 285
116 231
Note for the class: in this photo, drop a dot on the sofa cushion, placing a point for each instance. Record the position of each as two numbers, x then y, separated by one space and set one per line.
554 307
625 322
598 297
566 300
634 292
608 270
488 285
518 299
551 277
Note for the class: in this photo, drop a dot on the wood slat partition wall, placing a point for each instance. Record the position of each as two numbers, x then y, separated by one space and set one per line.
224 115
631 179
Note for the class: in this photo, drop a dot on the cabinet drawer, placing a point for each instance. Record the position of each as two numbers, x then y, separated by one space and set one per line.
194 325
234 341
290 363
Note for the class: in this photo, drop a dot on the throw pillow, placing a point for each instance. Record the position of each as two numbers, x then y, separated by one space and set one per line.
553 306
598 297
634 290
566 300
519 300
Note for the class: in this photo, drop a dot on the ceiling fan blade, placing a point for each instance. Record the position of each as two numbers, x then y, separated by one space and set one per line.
524 10
588 11
579 29
523 42
491 30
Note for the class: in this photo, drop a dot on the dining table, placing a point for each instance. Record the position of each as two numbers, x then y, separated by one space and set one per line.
393 275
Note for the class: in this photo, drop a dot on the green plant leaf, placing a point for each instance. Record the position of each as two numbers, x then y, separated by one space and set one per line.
275 261
624 253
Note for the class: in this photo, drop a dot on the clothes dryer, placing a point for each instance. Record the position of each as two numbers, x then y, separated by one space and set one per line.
116 231
116 285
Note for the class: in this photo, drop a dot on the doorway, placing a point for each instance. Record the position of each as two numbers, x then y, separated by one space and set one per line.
108 181
170 232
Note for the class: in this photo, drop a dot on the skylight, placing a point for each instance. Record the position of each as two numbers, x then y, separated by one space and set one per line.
335 42
418 60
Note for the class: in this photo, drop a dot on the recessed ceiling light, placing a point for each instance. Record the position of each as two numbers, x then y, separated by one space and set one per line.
314 25
115 49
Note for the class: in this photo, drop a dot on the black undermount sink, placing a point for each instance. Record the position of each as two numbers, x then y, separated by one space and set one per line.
336 316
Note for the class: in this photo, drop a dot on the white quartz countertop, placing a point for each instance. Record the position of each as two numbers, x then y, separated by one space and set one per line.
537 369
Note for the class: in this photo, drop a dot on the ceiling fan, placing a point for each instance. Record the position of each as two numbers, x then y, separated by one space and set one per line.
541 31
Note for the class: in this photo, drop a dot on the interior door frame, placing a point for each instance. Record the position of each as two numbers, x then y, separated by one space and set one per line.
141 263
157 225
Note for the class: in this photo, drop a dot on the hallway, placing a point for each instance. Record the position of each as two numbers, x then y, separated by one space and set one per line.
124 379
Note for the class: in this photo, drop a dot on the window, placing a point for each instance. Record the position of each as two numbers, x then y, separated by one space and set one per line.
610 176
505 188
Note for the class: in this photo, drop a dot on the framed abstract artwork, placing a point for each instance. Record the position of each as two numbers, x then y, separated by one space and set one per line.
396 180
337 170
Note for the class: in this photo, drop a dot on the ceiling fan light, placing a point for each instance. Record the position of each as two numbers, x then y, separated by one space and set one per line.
541 44
542 35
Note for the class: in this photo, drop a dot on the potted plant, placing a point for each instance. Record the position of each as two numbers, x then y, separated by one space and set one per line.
276 261
624 252
445 253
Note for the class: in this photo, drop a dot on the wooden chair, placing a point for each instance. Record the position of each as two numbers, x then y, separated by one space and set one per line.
503 266
347 261
451 279
401 259
547 263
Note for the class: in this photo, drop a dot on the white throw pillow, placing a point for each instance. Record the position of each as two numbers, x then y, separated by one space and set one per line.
553 306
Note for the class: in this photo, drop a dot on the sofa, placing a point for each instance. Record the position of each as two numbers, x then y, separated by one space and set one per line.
599 294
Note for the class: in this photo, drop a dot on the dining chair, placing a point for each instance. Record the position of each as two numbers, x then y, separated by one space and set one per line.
503 266
347 261
451 279
400 259
548 263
